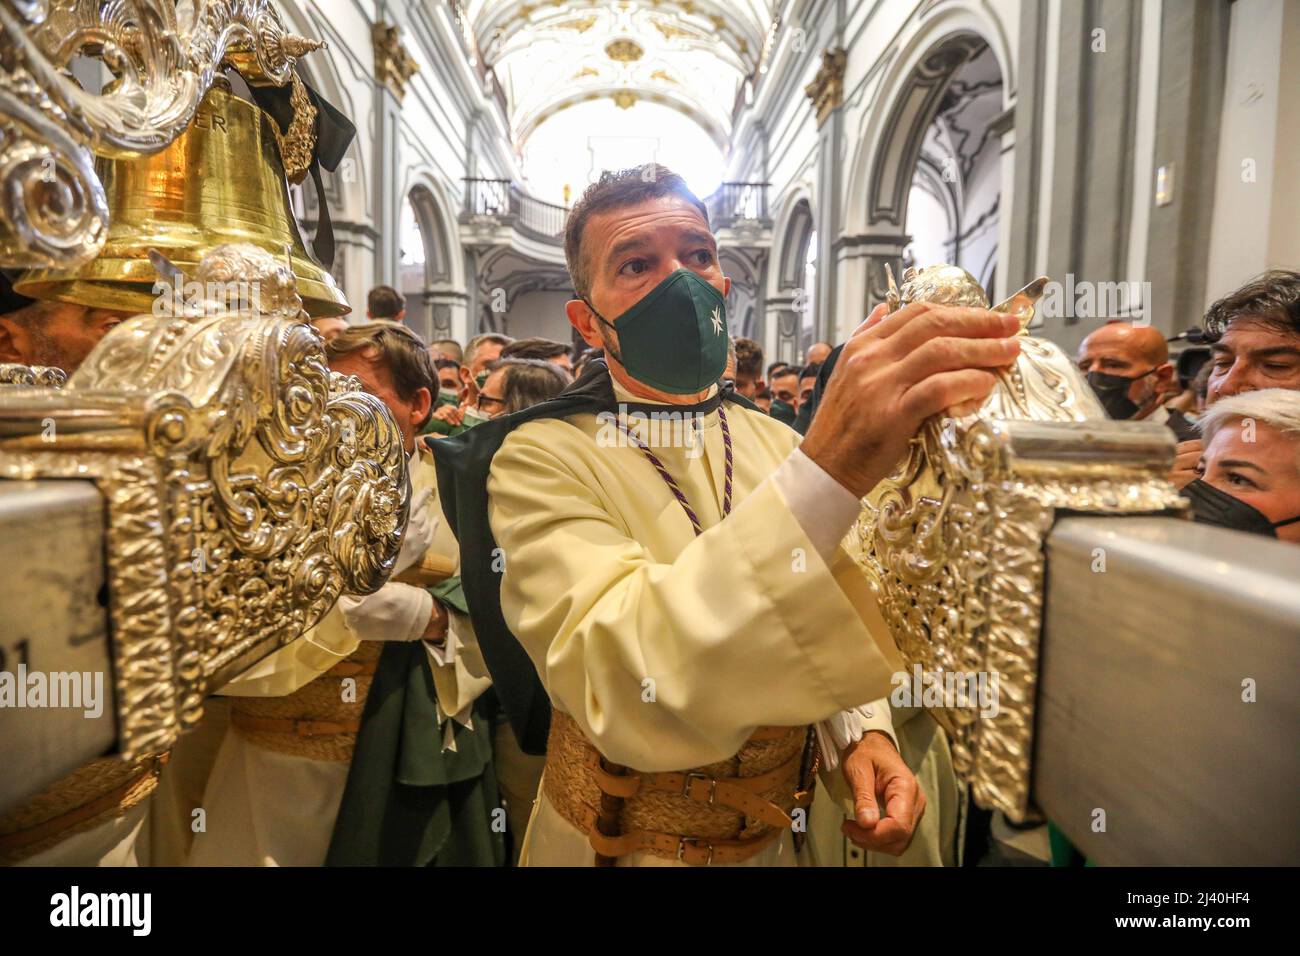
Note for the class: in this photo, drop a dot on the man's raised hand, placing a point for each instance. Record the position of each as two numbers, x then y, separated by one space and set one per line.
894 373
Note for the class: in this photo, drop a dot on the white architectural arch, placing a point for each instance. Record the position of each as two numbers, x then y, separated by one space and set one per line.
926 35
933 49
433 280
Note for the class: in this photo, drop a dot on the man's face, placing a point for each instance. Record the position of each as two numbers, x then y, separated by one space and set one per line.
61 335
329 328
1263 472
785 388
375 379
1117 349
806 386
485 355
629 251
449 378
1250 356
491 398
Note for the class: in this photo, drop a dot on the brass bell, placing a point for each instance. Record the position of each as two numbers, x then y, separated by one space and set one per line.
221 181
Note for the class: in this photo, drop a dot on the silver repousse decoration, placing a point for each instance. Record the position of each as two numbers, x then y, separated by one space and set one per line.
44 375
247 486
953 540
162 55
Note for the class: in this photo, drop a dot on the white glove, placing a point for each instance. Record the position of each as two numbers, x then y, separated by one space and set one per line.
396 612
421 524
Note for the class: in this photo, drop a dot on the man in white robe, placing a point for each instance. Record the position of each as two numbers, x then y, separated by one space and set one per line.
671 632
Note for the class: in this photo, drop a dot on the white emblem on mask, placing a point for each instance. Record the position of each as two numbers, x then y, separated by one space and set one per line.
717 321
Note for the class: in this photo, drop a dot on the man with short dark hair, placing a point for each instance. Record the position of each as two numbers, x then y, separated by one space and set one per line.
385 302
645 563
804 405
785 395
545 350
1254 333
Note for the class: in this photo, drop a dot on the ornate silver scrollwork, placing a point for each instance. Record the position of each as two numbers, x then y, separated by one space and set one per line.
163 56
953 540
247 486
44 375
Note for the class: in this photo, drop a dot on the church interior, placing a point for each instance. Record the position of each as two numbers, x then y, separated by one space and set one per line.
276 603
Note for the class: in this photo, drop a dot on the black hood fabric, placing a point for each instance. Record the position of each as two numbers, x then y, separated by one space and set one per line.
463 463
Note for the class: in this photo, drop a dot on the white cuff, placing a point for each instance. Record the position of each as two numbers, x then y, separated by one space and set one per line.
847 727
824 508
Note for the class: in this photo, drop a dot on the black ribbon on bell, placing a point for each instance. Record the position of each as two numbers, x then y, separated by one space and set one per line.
334 134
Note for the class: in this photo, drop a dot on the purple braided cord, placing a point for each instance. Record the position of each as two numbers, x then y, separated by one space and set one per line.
726 481
672 483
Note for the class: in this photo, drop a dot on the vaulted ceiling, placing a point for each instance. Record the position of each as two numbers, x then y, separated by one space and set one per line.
690 55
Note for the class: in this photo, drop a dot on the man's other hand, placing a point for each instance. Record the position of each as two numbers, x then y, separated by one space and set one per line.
878 778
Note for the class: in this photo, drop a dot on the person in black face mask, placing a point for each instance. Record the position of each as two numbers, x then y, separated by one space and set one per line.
1128 367
1250 472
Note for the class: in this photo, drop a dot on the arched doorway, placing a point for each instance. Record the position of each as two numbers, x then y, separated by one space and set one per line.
796 271
424 266
935 187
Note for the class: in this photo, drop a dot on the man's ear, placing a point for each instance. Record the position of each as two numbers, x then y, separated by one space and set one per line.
9 338
422 402
584 320
726 286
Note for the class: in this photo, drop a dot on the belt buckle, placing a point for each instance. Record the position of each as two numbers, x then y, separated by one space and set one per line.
713 786
694 841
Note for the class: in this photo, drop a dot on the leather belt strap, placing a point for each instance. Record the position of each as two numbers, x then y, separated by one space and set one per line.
298 728
66 821
690 850
738 793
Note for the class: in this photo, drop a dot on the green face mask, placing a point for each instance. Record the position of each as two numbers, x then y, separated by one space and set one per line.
675 338
474 417
448 396
783 412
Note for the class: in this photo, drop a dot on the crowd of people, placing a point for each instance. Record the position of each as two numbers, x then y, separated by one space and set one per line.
608 646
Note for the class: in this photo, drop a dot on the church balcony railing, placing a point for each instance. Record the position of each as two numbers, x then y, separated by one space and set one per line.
504 201
735 202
